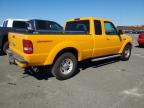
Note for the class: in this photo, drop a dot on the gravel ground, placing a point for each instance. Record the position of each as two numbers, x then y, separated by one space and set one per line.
101 84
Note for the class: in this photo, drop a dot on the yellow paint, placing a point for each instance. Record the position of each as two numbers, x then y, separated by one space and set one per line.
47 46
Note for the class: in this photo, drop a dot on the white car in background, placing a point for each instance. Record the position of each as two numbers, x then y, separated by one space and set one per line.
10 22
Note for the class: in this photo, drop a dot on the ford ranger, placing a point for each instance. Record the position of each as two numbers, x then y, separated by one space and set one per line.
83 38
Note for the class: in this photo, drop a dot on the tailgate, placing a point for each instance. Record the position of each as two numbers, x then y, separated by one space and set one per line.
16 42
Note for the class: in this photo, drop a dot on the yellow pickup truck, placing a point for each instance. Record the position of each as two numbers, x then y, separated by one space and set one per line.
83 38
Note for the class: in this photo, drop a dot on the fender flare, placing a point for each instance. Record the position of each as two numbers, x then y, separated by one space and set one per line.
58 48
126 43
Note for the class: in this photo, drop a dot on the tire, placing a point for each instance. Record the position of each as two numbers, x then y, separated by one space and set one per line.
65 66
126 53
5 47
141 46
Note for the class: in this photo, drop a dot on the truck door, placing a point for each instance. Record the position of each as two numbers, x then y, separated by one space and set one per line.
100 40
114 41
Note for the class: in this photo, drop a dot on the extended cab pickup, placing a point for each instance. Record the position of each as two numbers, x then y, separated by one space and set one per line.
83 38
23 26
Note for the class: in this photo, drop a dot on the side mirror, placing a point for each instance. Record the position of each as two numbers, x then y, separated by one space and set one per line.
120 32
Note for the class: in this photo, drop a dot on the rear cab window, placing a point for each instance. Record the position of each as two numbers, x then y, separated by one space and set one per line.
82 25
110 29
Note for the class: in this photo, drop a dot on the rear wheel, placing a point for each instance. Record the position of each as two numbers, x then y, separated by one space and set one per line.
5 47
126 53
65 66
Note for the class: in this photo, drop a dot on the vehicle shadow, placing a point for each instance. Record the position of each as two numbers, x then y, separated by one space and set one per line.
137 46
98 63
45 75
40 75
1 54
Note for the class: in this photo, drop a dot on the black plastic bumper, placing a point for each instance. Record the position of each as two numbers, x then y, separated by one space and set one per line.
12 57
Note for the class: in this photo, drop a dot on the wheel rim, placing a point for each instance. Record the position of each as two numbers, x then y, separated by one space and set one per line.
66 66
127 53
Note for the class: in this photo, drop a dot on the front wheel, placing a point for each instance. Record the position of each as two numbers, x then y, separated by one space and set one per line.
65 66
126 53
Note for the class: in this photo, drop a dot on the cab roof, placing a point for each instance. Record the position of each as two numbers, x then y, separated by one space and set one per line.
88 18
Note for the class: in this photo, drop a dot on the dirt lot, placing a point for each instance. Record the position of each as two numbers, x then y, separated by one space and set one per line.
101 84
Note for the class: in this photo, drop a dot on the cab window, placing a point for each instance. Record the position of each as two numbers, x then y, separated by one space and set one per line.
98 29
110 28
78 26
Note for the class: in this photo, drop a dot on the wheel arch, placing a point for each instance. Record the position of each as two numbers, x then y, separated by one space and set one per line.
127 43
72 50
56 53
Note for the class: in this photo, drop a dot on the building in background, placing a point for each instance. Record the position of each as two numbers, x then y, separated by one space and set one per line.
132 29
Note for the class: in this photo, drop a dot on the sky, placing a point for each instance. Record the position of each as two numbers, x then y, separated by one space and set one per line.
121 12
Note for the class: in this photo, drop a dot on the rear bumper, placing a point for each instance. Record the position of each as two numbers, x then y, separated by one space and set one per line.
16 59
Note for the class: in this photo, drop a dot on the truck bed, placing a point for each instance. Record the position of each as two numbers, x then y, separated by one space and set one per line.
50 32
45 43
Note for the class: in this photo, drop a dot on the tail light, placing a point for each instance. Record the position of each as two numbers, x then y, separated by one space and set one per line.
27 47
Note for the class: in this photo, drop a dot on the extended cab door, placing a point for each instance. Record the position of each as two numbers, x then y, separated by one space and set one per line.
114 41
100 40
